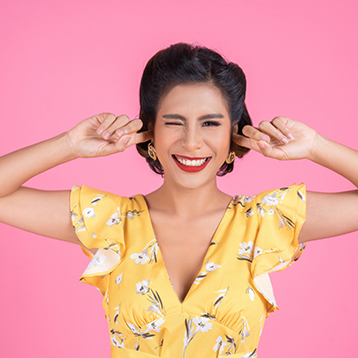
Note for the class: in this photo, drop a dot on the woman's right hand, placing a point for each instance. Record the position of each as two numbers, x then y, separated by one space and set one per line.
105 134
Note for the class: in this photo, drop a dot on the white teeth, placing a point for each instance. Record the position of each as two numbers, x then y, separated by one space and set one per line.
191 163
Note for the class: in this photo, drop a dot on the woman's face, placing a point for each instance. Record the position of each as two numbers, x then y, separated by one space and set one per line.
192 134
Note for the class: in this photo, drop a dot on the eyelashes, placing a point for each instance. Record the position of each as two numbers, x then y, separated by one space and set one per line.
211 124
204 124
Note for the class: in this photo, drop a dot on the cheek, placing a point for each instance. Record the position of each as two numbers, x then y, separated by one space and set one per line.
222 142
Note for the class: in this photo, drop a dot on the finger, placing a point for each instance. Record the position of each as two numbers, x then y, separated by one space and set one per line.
105 119
133 126
254 133
109 127
253 144
135 138
122 126
142 137
242 141
280 123
271 151
268 128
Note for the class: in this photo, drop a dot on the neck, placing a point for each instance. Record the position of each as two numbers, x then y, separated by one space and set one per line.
187 202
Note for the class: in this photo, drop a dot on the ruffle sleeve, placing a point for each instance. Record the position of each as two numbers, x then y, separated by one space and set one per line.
97 221
280 215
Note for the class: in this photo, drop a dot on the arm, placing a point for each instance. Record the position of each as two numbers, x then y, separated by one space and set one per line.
328 214
47 213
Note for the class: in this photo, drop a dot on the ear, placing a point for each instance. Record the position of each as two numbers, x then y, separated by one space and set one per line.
235 128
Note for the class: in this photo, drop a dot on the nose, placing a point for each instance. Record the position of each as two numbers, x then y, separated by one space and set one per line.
191 139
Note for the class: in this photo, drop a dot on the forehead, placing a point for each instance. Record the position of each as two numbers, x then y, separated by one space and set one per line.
194 98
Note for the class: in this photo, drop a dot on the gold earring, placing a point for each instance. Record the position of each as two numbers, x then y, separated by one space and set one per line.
230 158
151 151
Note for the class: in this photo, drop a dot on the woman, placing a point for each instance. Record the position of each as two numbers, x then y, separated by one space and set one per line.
184 270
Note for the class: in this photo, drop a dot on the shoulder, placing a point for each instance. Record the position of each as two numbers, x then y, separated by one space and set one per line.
267 201
93 197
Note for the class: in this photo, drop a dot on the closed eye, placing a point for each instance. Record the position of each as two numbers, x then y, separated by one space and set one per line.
173 123
211 124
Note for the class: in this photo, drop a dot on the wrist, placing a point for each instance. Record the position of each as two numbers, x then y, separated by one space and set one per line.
318 148
69 145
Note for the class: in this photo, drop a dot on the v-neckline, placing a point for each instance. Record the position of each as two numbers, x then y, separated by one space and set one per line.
205 256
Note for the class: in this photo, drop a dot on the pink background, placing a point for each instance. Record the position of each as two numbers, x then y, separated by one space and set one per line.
63 61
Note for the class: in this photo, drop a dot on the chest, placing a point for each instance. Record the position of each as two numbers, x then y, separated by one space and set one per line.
183 246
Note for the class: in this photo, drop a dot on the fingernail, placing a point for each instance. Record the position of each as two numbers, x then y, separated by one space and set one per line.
289 135
99 130
261 145
266 138
125 140
119 132
106 135
284 140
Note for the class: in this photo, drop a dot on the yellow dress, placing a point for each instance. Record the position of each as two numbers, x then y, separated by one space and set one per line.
224 311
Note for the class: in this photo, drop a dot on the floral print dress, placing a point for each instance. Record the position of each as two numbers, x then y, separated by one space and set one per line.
224 311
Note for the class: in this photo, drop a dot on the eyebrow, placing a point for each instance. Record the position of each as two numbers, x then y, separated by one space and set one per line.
201 118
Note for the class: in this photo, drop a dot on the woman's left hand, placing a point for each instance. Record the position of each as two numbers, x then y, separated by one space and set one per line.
282 138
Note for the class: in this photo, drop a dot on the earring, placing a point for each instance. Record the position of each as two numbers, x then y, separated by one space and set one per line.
230 158
151 151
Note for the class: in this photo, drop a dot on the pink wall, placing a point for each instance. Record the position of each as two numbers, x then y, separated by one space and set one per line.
62 61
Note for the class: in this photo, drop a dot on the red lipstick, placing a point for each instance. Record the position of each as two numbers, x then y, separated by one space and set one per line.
191 169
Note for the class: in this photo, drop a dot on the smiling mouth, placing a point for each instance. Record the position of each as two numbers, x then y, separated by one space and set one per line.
191 164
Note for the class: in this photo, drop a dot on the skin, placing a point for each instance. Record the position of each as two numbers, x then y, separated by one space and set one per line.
185 200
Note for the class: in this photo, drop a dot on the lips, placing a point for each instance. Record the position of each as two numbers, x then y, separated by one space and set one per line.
191 164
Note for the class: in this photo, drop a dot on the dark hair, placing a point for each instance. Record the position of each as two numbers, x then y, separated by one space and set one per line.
187 64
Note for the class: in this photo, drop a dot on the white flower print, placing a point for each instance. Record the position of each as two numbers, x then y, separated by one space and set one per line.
251 293
116 314
219 345
301 196
117 339
81 228
119 279
154 325
210 266
230 346
141 257
142 287
114 220
249 212
73 215
247 199
244 332
96 200
250 355
113 246
202 324
258 251
154 252
154 307
99 259
137 331
270 199
246 250
271 212
219 299
260 209
115 342
89 212
242 199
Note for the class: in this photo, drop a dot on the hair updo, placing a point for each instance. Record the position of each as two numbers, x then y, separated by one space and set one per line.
182 64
